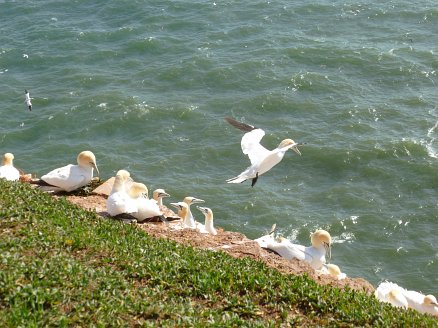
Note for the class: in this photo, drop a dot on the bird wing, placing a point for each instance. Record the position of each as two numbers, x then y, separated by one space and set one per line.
250 141
65 177
240 125
252 148
288 250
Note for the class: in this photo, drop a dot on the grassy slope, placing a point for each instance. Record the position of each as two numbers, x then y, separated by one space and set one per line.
60 265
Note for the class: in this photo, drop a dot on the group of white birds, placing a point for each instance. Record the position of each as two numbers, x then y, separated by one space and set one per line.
129 197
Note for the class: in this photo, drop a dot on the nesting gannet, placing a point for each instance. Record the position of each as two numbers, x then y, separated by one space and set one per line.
119 201
262 159
7 170
146 208
189 221
71 177
391 293
208 226
264 240
333 270
27 99
422 303
183 209
158 196
401 297
314 255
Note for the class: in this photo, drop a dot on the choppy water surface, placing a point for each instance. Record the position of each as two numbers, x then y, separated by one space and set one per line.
145 85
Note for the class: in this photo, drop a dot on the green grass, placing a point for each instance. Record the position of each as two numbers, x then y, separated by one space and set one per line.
63 266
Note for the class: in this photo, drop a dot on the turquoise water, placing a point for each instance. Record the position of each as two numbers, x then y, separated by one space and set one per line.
145 85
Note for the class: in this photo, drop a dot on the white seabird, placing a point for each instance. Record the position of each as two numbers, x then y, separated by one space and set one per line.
146 208
332 270
27 99
391 293
119 201
422 303
189 221
401 297
7 170
262 159
208 226
158 196
314 255
71 177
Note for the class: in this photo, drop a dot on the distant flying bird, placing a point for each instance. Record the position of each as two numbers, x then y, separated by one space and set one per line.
262 159
27 100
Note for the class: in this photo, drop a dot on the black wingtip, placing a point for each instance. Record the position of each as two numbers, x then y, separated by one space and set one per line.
239 125
254 180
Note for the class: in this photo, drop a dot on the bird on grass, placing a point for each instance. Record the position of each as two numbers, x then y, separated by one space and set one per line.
262 159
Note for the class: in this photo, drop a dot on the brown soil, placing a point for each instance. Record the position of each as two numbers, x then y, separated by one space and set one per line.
233 243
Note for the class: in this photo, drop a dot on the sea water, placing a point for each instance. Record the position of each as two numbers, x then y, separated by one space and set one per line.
145 85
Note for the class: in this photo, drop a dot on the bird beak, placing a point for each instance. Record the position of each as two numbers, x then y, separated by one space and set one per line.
95 167
163 194
295 149
197 200
202 209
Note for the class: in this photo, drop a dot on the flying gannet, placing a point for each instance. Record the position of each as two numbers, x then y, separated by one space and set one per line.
314 255
146 208
262 159
208 226
7 170
71 177
189 221
119 201
27 99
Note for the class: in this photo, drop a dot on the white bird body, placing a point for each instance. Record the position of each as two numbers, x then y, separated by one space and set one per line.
119 201
146 208
7 170
208 226
422 303
398 296
314 255
332 270
391 293
71 177
262 159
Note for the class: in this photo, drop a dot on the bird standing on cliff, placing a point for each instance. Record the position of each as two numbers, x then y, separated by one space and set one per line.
262 159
